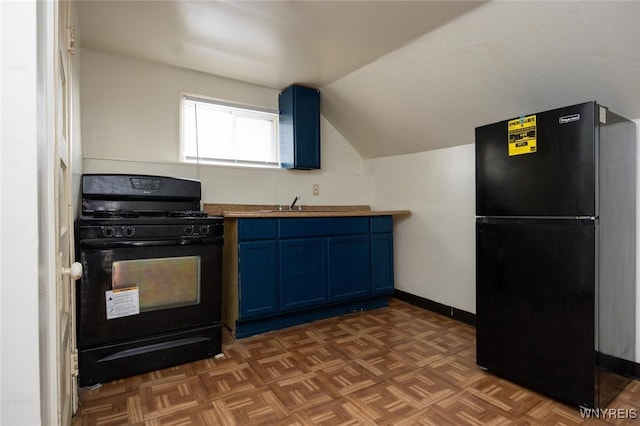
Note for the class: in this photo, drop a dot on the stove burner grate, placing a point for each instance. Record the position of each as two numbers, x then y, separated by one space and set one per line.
186 213
115 213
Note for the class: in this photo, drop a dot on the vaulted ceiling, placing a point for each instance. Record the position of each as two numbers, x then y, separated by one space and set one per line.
396 77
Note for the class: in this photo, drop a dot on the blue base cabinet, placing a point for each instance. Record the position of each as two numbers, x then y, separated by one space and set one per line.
294 270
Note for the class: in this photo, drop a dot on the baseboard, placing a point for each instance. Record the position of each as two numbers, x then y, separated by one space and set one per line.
246 328
438 308
619 366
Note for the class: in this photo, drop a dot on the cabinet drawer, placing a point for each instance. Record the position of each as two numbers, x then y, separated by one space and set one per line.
257 229
323 227
381 224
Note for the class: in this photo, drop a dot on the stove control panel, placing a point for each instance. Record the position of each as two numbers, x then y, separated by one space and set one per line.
197 229
150 231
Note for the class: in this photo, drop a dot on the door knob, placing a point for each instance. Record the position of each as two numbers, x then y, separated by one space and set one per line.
74 272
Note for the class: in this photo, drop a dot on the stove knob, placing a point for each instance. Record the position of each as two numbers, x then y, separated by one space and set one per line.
128 231
188 229
204 229
108 231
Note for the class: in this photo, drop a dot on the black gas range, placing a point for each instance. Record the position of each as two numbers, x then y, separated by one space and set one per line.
150 293
139 207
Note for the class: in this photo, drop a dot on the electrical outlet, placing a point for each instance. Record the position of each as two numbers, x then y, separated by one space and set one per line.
316 189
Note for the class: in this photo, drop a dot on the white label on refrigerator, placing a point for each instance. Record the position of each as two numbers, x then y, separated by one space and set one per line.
122 302
603 114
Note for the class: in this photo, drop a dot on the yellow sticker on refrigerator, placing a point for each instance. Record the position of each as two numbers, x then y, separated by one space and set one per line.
522 135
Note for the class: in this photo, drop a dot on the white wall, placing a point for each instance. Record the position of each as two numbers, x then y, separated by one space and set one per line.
435 246
130 124
19 351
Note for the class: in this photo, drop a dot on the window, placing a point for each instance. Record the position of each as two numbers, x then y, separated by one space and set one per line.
216 132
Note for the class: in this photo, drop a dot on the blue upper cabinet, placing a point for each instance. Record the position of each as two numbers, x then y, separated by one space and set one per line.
299 128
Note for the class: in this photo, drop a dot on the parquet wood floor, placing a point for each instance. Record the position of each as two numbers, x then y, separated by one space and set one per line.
400 365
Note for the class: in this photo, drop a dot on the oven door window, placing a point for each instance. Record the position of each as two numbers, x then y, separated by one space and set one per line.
162 283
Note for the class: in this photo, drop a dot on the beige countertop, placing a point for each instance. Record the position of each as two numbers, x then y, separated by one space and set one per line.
311 213
259 211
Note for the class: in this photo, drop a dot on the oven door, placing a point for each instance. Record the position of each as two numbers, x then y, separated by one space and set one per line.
135 289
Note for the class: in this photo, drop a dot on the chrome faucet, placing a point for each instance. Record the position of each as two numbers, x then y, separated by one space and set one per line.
295 200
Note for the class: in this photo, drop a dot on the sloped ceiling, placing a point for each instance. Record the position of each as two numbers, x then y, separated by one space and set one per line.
499 61
396 76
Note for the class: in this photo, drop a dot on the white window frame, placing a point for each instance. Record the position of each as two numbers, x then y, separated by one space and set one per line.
237 110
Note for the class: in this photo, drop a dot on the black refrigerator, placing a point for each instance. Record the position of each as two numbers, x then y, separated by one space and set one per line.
555 251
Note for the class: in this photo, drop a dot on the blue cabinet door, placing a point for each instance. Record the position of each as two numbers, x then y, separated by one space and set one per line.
299 128
349 267
303 268
382 263
258 272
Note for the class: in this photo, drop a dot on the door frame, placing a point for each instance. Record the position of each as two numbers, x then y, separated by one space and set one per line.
51 40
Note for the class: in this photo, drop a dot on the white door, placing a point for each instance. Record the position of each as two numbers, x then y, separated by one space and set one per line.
67 271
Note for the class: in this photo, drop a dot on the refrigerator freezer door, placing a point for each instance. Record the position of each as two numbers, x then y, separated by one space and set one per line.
535 298
557 177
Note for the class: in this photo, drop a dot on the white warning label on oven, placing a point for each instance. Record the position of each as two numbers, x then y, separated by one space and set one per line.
122 302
